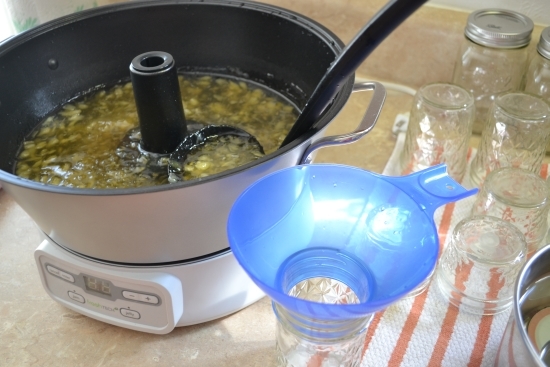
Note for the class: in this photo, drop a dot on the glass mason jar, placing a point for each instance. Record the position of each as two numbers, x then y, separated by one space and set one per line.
302 341
306 341
516 134
439 129
493 57
537 77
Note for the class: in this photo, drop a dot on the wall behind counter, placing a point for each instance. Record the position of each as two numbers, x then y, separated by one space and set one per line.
537 10
422 50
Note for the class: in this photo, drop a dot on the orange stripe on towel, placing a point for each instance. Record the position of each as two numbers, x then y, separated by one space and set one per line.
496 282
420 300
444 338
544 171
449 322
408 329
451 316
372 329
481 341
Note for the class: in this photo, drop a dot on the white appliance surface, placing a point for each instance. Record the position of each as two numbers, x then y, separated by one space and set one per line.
152 299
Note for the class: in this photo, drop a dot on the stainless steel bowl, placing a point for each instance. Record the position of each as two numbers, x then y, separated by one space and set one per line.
516 348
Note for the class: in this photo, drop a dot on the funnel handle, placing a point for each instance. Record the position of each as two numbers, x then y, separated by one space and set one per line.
431 187
366 125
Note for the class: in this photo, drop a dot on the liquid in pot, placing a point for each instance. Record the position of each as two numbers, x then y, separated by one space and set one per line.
80 145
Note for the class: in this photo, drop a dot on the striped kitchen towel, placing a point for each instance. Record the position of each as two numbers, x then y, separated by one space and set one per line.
427 330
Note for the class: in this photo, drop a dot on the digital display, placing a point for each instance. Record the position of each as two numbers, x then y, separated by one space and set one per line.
97 285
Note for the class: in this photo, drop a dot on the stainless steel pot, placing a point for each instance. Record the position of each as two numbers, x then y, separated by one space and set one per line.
516 348
46 66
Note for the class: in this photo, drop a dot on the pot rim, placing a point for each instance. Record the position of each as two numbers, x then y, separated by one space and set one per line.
333 42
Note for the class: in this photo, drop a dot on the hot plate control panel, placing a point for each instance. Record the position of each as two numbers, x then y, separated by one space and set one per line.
103 288
135 298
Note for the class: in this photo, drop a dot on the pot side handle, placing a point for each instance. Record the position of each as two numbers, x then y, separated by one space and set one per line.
366 125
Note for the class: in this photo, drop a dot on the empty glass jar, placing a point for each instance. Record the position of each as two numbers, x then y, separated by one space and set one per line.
478 269
516 134
493 57
439 129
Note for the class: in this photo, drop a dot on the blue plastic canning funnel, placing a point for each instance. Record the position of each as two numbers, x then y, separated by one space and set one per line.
373 233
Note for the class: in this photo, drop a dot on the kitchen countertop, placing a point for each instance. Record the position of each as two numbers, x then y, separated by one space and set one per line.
36 331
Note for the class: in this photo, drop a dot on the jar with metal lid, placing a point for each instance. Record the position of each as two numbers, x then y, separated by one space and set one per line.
537 77
493 57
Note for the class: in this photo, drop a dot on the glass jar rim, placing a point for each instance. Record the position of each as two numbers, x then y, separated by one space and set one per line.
487 227
446 96
524 106
494 180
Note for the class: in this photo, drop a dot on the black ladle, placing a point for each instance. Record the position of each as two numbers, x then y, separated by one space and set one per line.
198 139
372 34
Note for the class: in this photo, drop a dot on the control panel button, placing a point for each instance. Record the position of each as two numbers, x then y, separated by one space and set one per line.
131 295
76 297
129 313
59 273
68 277
53 270
147 298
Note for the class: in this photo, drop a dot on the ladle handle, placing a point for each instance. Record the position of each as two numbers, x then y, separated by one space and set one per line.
370 36
431 187
367 123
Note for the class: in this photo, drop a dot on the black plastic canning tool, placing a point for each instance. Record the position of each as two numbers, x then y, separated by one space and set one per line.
158 102
160 109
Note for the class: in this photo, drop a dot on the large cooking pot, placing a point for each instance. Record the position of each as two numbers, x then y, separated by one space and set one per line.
48 65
